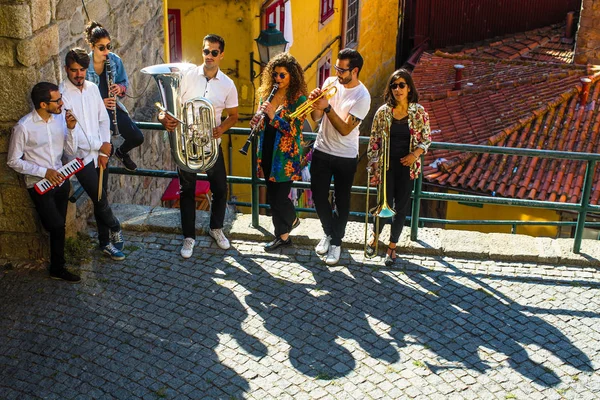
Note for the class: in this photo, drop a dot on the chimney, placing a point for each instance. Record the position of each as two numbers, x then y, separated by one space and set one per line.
587 46
458 76
585 91
569 25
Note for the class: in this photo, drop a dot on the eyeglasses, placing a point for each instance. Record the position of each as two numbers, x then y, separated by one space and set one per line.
400 85
341 70
282 75
214 53
102 47
55 101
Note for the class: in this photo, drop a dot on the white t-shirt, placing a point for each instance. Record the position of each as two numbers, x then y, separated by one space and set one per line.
355 101
220 90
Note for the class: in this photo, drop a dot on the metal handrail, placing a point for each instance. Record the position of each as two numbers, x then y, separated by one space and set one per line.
581 208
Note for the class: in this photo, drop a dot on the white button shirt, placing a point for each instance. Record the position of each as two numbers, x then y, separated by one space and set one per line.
220 90
93 125
36 146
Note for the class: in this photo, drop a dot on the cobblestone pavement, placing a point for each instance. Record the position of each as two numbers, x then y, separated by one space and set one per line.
247 324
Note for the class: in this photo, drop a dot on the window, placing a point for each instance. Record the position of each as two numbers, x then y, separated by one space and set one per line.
175 35
275 13
351 23
324 69
326 10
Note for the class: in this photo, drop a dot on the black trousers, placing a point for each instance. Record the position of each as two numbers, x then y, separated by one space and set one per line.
399 187
334 215
88 178
217 177
283 211
52 209
132 135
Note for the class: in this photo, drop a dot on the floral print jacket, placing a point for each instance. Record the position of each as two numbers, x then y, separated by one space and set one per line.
287 151
418 123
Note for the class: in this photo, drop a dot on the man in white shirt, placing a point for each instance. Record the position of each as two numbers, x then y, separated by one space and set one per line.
335 152
35 150
91 138
210 82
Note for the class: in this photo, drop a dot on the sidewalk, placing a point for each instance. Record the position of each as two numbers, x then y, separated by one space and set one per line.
431 242
245 324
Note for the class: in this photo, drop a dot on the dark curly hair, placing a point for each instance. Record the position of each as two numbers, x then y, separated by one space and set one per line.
297 85
388 96
94 31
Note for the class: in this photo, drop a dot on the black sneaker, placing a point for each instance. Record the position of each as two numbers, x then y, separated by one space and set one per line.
63 274
126 160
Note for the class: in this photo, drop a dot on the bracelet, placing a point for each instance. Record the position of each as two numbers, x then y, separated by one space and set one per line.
327 109
102 154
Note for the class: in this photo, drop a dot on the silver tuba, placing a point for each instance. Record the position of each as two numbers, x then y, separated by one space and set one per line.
192 144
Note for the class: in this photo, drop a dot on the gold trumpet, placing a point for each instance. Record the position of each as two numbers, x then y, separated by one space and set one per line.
382 210
308 106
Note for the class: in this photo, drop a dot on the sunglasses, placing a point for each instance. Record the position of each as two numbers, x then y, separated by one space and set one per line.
341 70
102 47
55 101
400 85
214 53
282 75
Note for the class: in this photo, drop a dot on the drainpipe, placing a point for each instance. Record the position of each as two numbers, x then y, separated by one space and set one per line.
569 25
458 76
585 91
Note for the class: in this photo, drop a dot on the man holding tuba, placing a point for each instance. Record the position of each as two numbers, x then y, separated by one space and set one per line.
208 81
336 149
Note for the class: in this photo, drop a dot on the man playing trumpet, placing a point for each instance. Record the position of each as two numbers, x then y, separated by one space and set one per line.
336 149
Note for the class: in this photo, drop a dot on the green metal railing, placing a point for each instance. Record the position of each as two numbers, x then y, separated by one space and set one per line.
418 194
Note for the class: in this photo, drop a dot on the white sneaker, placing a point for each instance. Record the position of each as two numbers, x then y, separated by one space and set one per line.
333 256
323 246
220 238
188 247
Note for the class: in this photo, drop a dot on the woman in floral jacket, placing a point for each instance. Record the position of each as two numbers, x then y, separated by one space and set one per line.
279 146
406 123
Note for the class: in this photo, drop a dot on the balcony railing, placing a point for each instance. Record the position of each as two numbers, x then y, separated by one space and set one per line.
582 208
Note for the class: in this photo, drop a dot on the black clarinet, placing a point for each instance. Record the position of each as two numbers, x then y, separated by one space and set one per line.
244 150
109 81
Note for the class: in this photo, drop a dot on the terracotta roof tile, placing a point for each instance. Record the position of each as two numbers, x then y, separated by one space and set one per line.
544 44
523 104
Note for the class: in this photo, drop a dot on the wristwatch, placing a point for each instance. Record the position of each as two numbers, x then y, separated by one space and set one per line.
327 109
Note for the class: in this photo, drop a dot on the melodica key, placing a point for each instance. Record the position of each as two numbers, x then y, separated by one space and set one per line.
67 170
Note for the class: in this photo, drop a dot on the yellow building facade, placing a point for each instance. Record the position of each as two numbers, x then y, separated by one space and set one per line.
319 30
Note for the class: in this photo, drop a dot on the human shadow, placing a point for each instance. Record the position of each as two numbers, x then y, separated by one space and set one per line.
140 328
452 319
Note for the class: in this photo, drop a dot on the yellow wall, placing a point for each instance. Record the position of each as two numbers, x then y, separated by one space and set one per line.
239 23
378 30
495 212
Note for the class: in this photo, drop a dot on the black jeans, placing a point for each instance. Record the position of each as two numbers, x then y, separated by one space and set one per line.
217 177
88 178
283 211
333 216
399 187
52 209
132 135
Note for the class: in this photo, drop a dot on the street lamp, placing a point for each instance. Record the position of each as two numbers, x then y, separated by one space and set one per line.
270 42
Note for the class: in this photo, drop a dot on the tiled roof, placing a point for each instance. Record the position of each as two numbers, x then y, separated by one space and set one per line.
518 103
544 44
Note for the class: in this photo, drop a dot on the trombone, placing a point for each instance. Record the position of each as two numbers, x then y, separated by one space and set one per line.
382 209
308 106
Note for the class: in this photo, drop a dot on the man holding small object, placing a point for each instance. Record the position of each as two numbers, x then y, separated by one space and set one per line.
35 150
91 138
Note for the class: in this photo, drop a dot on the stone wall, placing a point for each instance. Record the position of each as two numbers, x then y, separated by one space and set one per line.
587 49
34 37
